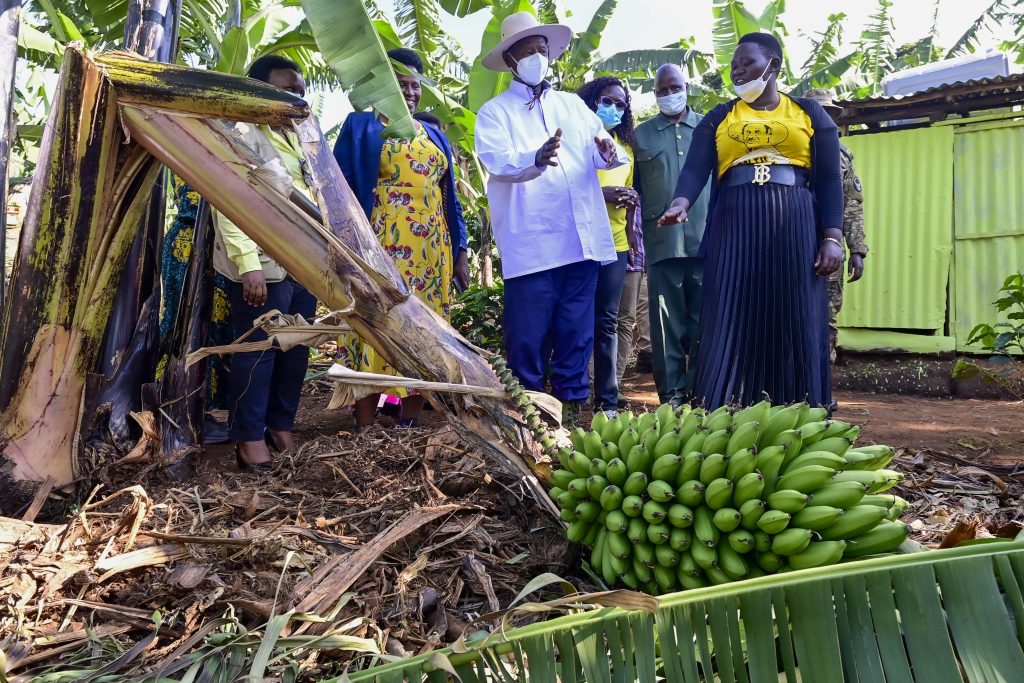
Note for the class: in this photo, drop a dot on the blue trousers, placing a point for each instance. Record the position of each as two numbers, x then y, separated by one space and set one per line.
265 385
610 279
552 309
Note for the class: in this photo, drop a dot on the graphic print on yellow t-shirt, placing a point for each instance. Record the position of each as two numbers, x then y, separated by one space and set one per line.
749 136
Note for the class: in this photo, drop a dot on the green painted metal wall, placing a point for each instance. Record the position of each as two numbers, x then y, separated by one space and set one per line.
908 183
988 219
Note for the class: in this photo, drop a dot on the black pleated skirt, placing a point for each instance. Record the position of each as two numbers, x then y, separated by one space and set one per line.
764 317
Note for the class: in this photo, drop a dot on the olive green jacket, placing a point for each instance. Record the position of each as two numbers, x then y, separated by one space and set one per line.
661 151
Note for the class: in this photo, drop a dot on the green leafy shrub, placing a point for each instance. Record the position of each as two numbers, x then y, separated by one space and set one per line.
1005 340
477 314
1007 337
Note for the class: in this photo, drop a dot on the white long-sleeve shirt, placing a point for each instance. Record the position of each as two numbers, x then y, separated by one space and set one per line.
550 217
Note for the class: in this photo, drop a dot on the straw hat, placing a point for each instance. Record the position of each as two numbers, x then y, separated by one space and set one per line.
824 98
521 25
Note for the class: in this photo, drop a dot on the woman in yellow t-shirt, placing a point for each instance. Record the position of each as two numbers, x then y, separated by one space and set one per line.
773 236
609 99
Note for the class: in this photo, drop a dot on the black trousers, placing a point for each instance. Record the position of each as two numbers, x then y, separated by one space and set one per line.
265 385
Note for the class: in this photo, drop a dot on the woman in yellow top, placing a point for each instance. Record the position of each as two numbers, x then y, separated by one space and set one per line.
607 97
773 236
407 189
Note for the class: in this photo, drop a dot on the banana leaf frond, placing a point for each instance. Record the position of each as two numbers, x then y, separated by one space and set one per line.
945 616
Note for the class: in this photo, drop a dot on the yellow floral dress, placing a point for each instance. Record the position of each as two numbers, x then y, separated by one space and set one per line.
409 221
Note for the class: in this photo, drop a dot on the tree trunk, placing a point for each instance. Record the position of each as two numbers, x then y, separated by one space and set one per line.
10 16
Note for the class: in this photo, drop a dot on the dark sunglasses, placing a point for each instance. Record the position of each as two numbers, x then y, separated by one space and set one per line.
609 102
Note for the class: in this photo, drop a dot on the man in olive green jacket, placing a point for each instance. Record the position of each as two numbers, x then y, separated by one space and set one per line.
674 272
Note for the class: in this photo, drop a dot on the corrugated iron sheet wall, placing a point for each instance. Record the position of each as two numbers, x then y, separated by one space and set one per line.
908 184
988 218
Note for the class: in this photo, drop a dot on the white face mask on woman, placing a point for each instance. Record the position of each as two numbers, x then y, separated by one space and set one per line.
751 90
532 69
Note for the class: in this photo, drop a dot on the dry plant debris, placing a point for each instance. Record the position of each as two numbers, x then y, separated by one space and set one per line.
405 529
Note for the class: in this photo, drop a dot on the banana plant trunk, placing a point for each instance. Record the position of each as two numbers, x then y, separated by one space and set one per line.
90 191
10 19
94 185
130 347
342 264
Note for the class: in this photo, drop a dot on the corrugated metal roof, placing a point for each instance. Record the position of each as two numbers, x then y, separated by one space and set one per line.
938 102
997 84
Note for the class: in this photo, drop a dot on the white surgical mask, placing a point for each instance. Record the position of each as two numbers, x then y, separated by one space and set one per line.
671 105
532 69
751 90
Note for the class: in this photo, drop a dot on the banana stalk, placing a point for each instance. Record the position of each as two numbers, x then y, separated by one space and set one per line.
88 194
194 91
10 15
129 355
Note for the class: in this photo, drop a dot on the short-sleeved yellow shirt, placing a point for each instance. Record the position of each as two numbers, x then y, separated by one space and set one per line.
780 136
621 176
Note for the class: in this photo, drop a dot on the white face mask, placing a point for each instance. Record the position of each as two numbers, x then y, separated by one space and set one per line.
671 105
532 69
751 90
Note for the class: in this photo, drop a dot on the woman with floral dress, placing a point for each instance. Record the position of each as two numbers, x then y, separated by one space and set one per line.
407 189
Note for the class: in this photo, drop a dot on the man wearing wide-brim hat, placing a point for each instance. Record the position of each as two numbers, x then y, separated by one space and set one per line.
542 149
853 220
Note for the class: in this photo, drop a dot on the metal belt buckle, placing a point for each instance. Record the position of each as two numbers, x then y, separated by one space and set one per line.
762 174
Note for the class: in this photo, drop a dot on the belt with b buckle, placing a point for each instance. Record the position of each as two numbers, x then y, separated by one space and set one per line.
760 174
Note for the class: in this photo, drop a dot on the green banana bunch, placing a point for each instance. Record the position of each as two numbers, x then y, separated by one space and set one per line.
684 498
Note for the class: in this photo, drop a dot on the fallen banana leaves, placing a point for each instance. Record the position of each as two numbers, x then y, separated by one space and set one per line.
88 190
946 616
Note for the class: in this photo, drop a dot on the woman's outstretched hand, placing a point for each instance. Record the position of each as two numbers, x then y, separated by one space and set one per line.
677 212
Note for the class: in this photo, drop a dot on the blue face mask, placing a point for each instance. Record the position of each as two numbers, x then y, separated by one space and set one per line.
610 115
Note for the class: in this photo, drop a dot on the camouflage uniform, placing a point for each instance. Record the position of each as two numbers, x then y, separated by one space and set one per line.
853 230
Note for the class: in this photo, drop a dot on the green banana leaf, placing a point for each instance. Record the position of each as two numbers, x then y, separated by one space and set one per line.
463 8
349 43
732 21
419 24
234 52
944 616
484 83
828 76
640 66
584 45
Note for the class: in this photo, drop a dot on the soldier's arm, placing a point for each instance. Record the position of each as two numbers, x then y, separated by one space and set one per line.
853 211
